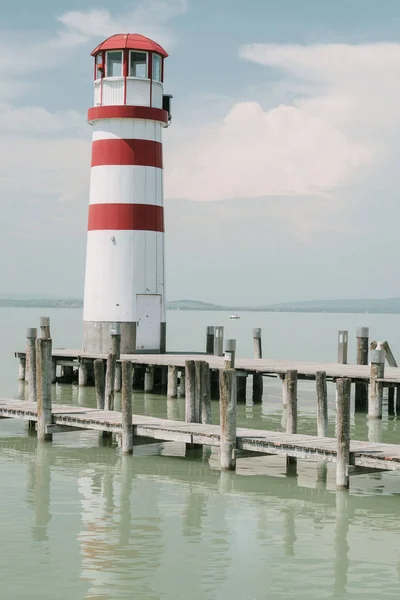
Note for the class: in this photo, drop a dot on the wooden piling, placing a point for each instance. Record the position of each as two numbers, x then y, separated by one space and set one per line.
375 398
282 377
322 404
45 327
206 393
258 384
391 407
219 341
126 408
54 371
110 378
172 388
82 374
31 335
190 398
182 383
210 336
115 333
361 387
343 433
343 340
228 419
22 368
149 379
291 420
43 371
100 384
199 389
229 354
389 354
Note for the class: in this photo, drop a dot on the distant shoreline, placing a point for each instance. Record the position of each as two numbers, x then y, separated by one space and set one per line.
185 306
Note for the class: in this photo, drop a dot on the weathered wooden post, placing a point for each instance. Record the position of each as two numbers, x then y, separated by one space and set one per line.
228 419
126 408
291 422
110 378
219 341
199 389
45 327
191 415
43 370
282 377
115 333
149 379
210 336
100 383
22 368
206 393
392 363
31 335
82 373
182 384
258 384
172 389
389 354
375 398
343 340
322 404
54 370
229 354
343 433
361 387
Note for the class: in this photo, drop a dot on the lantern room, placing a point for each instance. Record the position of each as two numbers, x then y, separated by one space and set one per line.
129 70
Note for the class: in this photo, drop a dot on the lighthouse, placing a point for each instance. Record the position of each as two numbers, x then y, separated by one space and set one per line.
124 279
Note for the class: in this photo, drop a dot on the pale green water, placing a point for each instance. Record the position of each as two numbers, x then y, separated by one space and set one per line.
80 521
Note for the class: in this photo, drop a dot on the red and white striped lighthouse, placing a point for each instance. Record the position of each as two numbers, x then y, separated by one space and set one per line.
124 280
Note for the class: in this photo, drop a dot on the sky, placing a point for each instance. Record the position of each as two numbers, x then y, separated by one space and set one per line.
280 166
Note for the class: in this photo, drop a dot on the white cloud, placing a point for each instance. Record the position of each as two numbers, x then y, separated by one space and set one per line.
340 117
149 17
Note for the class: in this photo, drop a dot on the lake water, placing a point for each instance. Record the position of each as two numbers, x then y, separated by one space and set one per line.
79 521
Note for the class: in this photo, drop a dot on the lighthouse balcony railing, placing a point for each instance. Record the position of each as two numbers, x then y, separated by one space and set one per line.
139 92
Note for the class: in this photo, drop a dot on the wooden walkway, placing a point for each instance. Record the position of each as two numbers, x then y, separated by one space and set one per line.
265 366
69 418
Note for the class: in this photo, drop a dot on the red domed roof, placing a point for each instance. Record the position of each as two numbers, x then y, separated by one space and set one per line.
133 41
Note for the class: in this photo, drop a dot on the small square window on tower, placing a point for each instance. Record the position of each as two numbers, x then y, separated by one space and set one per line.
156 67
138 64
114 64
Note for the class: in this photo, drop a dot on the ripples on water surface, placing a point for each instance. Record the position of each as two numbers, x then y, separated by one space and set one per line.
77 520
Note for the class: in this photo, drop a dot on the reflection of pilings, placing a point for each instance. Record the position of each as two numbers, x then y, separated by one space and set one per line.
289 532
193 513
125 516
41 493
341 545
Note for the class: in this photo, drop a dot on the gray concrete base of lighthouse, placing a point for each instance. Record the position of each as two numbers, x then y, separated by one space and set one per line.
97 338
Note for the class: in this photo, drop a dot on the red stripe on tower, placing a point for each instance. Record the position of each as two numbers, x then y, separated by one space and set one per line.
127 217
146 153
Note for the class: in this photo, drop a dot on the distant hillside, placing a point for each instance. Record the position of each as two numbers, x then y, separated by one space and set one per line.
363 305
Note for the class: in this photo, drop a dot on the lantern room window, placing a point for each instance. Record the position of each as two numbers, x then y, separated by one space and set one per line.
138 64
114 64
156 67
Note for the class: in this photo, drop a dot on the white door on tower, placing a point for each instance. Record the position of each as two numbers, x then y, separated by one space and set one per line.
148 329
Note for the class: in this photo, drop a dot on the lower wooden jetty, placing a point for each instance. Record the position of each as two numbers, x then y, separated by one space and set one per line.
71 418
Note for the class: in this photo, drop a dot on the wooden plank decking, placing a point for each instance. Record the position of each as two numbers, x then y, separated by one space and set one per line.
68 418
267 366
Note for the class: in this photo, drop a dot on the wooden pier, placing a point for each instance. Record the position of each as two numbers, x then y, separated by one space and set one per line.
66 418
197 378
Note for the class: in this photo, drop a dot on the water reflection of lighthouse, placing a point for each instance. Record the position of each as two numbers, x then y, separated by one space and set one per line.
124 280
